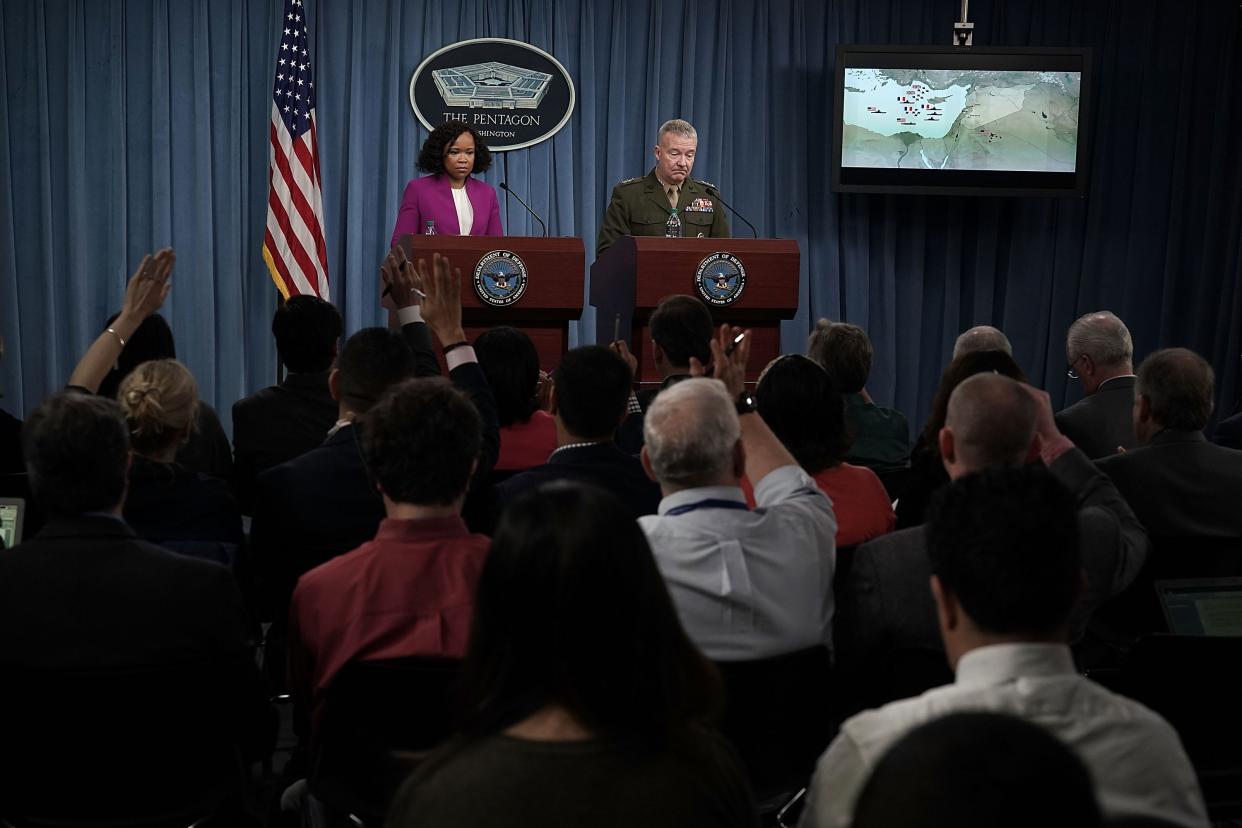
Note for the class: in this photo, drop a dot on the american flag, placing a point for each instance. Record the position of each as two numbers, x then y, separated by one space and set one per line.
293 245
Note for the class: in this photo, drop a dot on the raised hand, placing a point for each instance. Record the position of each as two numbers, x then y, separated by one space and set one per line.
728 359
397 281
623 351
148 287
441 305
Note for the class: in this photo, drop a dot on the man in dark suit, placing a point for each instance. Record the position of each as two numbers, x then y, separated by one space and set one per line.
1178 483
280 422
884 605
86 595
1100 354
323 503
589 393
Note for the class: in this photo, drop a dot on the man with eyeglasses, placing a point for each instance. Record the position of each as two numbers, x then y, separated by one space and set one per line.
1100 354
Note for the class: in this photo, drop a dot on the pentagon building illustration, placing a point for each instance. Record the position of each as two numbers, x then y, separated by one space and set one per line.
492 86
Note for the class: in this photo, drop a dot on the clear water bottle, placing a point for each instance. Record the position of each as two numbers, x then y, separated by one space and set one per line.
430 229
672 228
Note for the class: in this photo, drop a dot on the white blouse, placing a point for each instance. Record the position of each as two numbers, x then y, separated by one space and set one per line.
465 212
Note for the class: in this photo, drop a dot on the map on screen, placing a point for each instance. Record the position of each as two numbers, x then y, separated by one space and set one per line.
953 119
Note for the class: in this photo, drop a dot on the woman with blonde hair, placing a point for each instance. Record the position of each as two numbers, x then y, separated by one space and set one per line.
166 503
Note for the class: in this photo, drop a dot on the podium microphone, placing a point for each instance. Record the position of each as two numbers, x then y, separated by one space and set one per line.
714 193
504 185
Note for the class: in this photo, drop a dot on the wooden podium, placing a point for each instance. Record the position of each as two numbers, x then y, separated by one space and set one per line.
553 293
630 278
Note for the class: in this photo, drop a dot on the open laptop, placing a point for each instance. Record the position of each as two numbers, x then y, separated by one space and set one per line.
12 512
1202 606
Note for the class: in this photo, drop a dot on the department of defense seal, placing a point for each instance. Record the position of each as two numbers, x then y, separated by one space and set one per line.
721 278
500 278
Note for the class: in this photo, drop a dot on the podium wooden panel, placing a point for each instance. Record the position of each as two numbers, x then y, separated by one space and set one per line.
630 278
553 294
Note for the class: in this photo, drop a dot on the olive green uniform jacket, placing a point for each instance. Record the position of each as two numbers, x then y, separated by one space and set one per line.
639 207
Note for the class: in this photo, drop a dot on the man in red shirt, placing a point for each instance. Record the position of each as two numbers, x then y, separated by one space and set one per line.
410 591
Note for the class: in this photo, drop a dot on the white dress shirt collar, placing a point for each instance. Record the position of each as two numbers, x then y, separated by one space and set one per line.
688 496
998 664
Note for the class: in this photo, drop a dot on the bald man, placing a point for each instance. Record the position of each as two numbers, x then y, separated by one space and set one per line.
1100 354
981 338
885 606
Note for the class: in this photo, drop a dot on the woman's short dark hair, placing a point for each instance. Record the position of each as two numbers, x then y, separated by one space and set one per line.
151 340
571 610
958 371
799 403
511 364
431 156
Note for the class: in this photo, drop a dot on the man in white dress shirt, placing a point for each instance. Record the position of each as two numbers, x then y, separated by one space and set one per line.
746 584
1006 573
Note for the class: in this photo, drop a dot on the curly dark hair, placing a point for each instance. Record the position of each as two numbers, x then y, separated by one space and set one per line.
431 156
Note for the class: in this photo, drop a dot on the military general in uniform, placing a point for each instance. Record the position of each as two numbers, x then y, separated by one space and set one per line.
641 206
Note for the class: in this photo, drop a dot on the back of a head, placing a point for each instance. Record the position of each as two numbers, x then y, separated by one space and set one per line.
571 610
797 401
690 432
1005 542
421 441
592 385
511 364
961 368
981 338
306 329
76 449
1101 336
160 401
152 339
682 327
978 770
372 361
845 352
993 421
1179 386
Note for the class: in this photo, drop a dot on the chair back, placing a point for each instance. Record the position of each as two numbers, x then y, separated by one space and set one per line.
1192 682
119 747
372 713
777 715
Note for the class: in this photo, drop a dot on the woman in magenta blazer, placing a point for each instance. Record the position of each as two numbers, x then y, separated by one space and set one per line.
449 196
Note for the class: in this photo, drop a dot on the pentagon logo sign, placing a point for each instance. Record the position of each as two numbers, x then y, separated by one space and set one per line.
720 279
500 278
512 94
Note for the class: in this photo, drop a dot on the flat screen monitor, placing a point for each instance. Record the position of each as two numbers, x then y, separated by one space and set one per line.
926 119
1205 606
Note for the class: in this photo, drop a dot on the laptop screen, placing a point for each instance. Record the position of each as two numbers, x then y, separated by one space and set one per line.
1206 606
11 512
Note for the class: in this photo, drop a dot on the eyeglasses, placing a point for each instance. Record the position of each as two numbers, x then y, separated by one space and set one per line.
1069 369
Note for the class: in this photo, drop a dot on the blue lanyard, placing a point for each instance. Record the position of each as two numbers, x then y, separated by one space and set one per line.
710 503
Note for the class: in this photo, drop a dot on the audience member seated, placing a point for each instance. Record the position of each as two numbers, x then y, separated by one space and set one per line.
323 503
511 365
1228 431
10 438
136 335
1100 355
992 421
188 512
927 474
880 435
681 330
589 392
1006 573
1178 483
981 338
797 401
410 591
87 594
978 770
747 584
280 422
585 702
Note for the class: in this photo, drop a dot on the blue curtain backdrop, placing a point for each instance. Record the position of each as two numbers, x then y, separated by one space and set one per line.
125 126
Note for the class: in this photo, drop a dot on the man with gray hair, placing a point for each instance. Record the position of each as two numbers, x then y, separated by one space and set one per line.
644 206
885 611
981 338
1178 483
1100 354
746 584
